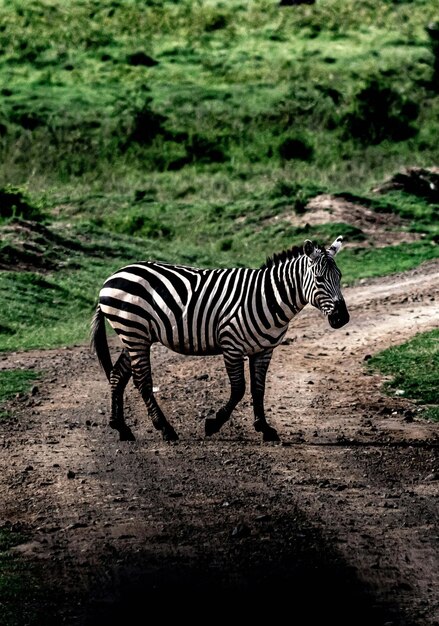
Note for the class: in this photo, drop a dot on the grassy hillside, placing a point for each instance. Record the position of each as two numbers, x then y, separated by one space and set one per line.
157 86
195 132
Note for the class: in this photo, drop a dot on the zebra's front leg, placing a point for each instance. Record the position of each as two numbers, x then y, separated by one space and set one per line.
119 377
258 370
235 371
141 365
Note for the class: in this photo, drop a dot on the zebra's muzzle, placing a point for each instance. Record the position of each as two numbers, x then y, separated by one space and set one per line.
339 316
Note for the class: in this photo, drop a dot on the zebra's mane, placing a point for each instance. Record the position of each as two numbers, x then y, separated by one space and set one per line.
286 255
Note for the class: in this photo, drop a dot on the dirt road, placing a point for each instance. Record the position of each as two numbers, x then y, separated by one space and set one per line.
337 524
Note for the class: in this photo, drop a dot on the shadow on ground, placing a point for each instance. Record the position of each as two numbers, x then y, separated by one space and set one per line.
285 573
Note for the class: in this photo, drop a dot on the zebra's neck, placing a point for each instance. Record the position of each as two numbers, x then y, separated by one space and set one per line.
283 289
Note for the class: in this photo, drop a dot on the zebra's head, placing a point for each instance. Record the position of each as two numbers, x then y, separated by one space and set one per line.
321 284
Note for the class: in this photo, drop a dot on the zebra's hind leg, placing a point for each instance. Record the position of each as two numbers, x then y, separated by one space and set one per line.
258 370
235 371
119 377
141 364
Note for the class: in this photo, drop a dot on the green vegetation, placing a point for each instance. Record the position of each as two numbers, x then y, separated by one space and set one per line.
14 203
413 369
15 381
366 263
156 87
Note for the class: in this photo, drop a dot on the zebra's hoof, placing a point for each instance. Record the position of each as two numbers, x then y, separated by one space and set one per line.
126 434
170 435
211 426
270 434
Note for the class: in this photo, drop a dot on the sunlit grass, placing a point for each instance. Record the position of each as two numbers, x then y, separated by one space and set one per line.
13 382
413 370
230 73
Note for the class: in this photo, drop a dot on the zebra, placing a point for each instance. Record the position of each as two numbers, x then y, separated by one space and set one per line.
241 313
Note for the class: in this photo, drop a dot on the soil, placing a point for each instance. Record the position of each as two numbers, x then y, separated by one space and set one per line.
338 523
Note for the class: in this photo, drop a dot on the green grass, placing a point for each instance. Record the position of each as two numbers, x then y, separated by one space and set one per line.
14 382
413 368
228 84
360 263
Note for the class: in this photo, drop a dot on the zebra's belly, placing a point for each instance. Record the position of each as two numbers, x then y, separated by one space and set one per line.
253 346
236 336
189 343
191 350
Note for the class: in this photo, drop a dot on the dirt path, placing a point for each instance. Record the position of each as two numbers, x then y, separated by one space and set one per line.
338 523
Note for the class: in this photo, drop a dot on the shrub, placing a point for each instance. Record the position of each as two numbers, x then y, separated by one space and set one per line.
137 222
15 203
295 147
143 123
380 112
433 33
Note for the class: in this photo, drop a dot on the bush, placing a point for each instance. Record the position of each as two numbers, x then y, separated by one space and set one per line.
295 148
139 123
14 203
380 112
433 33
137 222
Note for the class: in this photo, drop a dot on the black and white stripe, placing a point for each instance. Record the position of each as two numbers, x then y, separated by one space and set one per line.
238 312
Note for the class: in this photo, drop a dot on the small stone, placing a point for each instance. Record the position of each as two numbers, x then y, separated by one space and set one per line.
432 476
241 530
263 518
77 525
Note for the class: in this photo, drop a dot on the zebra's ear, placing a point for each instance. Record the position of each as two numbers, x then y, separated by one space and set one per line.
310 250
335 247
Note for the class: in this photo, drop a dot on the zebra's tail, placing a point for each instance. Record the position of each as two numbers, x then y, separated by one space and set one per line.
98 341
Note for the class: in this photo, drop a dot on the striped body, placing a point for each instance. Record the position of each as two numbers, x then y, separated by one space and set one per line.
201 312
237 312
